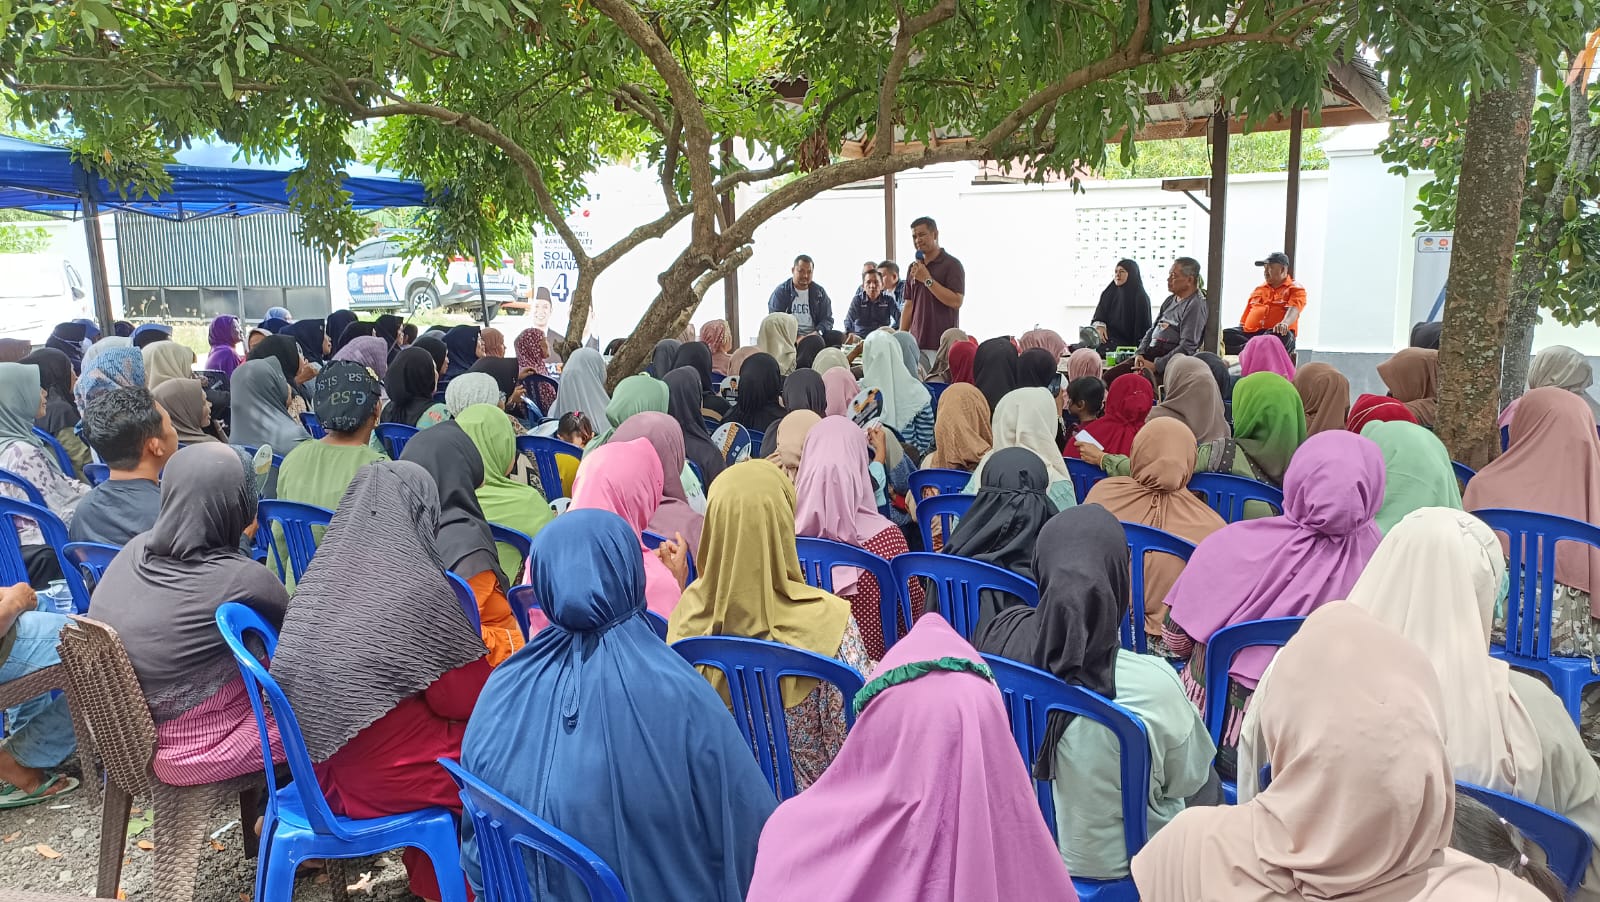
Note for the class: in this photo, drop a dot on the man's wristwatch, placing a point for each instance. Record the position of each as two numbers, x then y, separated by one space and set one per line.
928 282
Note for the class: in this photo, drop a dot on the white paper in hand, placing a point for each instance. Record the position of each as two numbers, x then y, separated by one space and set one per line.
1086 438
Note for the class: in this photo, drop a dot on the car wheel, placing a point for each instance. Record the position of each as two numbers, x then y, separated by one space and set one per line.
422 298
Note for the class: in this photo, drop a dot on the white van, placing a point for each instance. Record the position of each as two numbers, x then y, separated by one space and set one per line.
37 291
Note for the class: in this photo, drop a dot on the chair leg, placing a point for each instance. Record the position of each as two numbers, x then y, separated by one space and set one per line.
181 813
116 806
446 859
279 883
250 808
1571 690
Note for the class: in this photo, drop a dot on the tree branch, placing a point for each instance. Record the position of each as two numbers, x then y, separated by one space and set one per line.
906 31
721 271
669 159
424 46
656 228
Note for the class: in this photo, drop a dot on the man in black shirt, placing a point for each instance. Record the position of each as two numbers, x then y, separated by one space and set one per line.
135 438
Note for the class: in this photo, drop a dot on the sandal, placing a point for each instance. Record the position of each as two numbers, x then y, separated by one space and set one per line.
16 798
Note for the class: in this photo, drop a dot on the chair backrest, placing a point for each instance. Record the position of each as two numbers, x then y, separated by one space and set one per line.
504 830
530 387
957 583
657 623
517 539
712 424
757 439
1030 694
86 563
467 600
96 473
699 475
313 425
1084 476
35 497
942 481
105 692
12 567
277 459
653 540
59 450
1566 845
1505 437
1531 566
1144 539
236 621
1224 645
1463 472
393 437
935 389
754 669
294 520
944 509
818 557
522 601
1226 493
545 450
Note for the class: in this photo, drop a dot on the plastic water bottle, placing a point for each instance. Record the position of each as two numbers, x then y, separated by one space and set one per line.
60 597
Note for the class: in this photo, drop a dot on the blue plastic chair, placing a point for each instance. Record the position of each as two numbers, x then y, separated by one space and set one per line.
393 437
467 600
957 583
1144 539
86 563
712 425
518 540
699 475
818 557
1224 646
946 509
298 824
60 451
35 497
506 832
1084 476
754 669
530 387
522 601
756 439
1531 565
935 389
1463 472
12 568
943 482
1505 437
1030 694
96 473
653 540
313 425
1226 493
277 459
294 521
1566 845
657 623
545 450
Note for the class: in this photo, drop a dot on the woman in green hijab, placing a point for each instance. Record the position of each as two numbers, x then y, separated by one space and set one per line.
635 394
1418 471
1269 422
504 501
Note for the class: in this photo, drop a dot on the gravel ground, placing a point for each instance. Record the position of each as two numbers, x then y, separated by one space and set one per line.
54 848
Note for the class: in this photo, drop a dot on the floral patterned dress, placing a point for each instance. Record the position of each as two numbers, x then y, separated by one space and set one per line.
816 725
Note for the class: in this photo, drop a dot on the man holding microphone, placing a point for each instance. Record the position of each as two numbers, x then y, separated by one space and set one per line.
936 285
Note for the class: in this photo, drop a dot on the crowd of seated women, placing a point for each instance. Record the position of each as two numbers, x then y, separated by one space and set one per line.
689 485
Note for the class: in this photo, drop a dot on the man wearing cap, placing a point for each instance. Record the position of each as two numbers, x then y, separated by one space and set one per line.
345 399
1274 307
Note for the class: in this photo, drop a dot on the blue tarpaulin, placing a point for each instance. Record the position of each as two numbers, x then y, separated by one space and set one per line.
207 180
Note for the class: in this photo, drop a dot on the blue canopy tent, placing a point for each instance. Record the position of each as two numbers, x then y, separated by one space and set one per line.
207 181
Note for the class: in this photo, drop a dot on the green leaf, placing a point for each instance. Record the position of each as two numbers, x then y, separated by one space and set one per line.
225 77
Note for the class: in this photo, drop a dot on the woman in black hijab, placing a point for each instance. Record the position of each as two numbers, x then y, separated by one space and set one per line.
1036 368
1124 308
313 341
283 349
683 404
697 354
663 357
435 348
61 413
352 332
803 390
760 385
68 339
805 353
462 343
505 372
994 370
338 321
410 384
1003 523
387 327
466 546
1219 372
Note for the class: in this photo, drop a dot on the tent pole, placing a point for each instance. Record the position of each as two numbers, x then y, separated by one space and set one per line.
1291 205
99 283
238 271
1219 225
483 296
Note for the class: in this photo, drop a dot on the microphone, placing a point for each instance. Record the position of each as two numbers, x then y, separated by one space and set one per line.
920 256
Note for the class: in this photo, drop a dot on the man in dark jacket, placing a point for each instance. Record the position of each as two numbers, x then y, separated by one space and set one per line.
873 308
804 298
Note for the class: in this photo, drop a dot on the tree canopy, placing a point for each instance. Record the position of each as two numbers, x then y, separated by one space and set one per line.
503 107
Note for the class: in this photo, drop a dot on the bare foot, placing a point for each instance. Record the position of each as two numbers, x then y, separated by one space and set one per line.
26 779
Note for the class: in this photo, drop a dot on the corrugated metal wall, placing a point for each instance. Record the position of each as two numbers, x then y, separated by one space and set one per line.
155 253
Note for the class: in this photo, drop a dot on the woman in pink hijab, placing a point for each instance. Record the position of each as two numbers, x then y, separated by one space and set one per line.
928 798
1266 354
674 516
1083 363
716 335
625 478
840 389
1048 339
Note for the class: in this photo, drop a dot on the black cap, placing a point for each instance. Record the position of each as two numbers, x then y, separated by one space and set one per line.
1278 257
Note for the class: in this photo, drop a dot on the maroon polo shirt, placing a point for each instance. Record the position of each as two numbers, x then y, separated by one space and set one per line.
932 317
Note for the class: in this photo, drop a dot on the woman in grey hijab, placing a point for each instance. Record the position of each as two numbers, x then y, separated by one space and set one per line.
583 388
913 357
1559 366
260 407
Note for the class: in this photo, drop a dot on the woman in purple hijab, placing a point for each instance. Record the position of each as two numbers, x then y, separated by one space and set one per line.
1266 354
224 337
1284 566
674 515
370 351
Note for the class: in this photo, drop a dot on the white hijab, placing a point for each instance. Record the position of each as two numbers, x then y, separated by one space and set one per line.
583 388
777 336
883 368
1026 418
1436 579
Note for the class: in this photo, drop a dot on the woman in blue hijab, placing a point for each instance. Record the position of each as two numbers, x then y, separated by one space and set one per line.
602 730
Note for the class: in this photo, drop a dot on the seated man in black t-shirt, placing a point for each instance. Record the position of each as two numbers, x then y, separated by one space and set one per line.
135 438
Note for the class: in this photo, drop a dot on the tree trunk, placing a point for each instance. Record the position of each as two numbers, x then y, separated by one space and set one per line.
1522 315
1489 199
665 317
